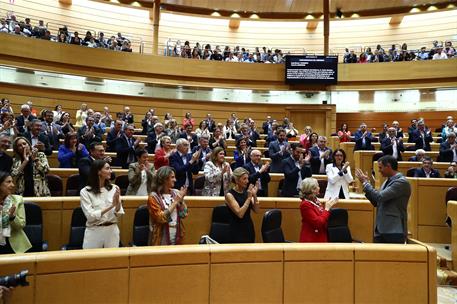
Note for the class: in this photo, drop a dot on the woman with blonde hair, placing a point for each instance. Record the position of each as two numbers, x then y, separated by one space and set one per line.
314 214
81 115
166 209
217 174
241 199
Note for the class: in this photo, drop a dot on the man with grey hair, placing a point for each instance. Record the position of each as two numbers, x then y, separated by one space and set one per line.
6 162
321 156
363 138
258 174
448 149
185 164
98 123
23 120
392 145
422 136
420 154
205 151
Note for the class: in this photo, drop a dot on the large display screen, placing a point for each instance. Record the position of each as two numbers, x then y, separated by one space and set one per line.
309 69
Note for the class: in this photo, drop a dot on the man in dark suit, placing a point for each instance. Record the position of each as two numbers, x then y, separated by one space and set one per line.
190 137
127 116
23 120
391 202
6 162
210 123
88 133
205 151
245 132
258 173
185 164
363 138
267 125
392 145
321 156
52 130
422 136
399 130
126 147
37 138
420 154
113 136
278 150
296 169
448 149
427 169
96 151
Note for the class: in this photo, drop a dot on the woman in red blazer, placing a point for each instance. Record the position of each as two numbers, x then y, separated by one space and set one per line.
162 155
314 214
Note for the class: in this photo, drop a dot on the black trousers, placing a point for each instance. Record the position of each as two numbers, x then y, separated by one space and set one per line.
394 238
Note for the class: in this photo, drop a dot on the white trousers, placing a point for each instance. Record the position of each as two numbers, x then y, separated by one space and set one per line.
101 237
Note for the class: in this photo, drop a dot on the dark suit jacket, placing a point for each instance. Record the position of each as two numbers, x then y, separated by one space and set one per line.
124 150
20 122
291 172
359 141
391 202
202 160
84 165
211 124
183 170
87 141
316 160
417 139
446 154
194 142
6 162
421 173
111 141
387 148
55 136
276 157
252 142
44 139
254 176
266 126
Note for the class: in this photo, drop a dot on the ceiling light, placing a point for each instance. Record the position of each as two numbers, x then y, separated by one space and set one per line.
415 10
234 15
309 17
254 16
432 8
215 14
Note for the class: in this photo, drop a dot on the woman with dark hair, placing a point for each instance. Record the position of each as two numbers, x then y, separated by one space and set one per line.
241 199
8 125
241 153
314 215
306 137
101 204
71 151
202 130
57 113
188 120
29 169
344 134
140 175
229 129
65 123
312 140
12 218
339 176
166 209
217 174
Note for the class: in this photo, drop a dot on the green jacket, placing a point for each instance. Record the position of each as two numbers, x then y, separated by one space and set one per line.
18 240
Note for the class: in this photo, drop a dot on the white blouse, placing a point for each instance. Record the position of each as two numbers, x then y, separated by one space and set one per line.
92 205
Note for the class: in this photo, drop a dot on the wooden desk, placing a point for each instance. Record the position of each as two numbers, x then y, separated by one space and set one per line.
452 213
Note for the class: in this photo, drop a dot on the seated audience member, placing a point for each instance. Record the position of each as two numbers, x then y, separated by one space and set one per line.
38 139
6 162
420 154
98 123
393 145
448 149
96 151
306 137
8 125
185 164
229 130
449 128
126 146
75 39
12 236
113 136
217 139
278 151
451 171
162 156
339 176
251 140
189 136
81 115
29 169
88 133
23 120
52 130
140 175
205 151
241 199
439 54
153 139
65 124
314 214
427 169
344 134
258 174
167 209
321 156
399 130
422 137
188 120
172 130
101 204
241 153
71 152
363 139
296 168
217 174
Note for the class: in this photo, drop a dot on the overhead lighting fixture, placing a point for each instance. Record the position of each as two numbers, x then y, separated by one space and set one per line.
432 8
254 16
235 15
451 6
415 10
135 3
309 17
215 14
355 15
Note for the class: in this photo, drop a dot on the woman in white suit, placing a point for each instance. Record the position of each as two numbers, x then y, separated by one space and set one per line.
339 176
217 174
